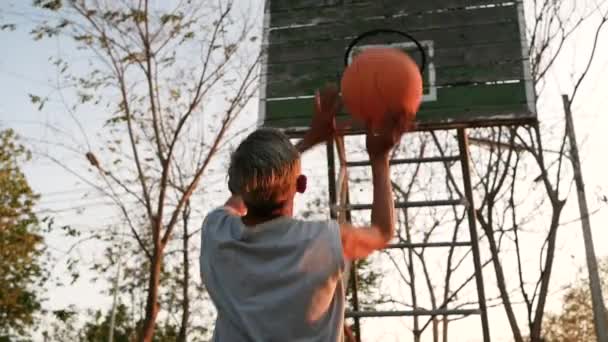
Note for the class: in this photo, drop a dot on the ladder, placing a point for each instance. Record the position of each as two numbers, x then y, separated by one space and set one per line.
342 209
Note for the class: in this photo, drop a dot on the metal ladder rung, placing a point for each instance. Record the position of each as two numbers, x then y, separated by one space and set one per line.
428 244
411 204
407 161
438 312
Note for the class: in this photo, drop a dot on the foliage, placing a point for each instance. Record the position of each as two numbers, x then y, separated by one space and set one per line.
125 329
21 268
173 78
575 321
507 214
64 326
61 325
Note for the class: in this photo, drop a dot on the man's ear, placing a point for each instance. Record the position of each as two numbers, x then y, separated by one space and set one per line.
301 184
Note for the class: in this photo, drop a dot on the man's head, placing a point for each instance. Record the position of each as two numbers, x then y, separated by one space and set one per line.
264 170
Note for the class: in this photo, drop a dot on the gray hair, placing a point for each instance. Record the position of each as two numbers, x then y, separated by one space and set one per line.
264 170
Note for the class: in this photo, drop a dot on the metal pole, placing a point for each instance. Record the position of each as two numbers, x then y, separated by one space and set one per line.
111 328
354 278
463 146
354 274
597 301
351 275
331 178
410 254
116 284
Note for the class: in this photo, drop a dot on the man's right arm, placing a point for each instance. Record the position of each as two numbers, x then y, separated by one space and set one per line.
359 242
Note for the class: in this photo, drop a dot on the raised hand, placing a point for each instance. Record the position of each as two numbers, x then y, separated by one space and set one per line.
327 104
383 138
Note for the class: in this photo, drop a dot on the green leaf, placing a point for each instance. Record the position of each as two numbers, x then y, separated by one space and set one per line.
138 16
84 97
52 5
8 27
175 94
166 18
37 100
116 119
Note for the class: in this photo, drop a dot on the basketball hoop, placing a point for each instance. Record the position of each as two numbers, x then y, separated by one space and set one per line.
367 34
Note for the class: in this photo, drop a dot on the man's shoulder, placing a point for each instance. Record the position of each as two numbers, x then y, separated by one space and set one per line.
216 214
319 229
323 236
324 224
316 222
217 218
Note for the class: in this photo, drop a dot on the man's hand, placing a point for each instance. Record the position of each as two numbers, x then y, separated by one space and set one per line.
381 140
323 125
327 104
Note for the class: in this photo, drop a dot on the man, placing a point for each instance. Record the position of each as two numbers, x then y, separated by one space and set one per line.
276 278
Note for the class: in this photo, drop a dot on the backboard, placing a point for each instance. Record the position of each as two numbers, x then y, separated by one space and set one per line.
477 71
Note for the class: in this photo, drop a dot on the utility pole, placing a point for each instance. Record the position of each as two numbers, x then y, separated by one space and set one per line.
597 300
112 327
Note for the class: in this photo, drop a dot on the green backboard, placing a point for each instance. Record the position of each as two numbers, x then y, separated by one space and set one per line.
477 71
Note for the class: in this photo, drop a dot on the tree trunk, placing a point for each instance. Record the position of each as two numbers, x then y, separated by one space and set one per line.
152 306
500 278
535 333
183 330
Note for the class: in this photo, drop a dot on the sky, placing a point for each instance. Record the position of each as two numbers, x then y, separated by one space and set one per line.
25 69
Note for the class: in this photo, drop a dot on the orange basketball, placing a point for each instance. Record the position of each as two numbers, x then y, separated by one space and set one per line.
379 81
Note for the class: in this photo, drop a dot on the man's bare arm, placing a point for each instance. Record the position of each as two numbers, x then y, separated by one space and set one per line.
360 242
323 124
305 144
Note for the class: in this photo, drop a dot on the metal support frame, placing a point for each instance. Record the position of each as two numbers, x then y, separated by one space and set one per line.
346 215
398 161
339 196
418 312
341 210
331 177
409 204
428 244
463 146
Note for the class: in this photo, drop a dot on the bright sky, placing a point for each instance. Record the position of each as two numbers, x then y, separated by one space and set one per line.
25 69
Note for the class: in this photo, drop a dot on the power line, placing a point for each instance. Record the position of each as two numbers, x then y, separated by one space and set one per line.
66 192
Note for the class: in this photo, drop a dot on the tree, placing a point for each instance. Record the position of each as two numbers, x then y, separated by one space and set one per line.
64 326
175 78
503 213
97 329
575 321
521 184
21 245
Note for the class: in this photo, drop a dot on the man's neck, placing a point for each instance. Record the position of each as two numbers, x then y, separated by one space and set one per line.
251 219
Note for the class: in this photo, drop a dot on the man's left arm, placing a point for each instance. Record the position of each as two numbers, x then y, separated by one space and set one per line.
323 125
306 143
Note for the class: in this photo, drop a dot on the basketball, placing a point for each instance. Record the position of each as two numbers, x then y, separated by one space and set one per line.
379 81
